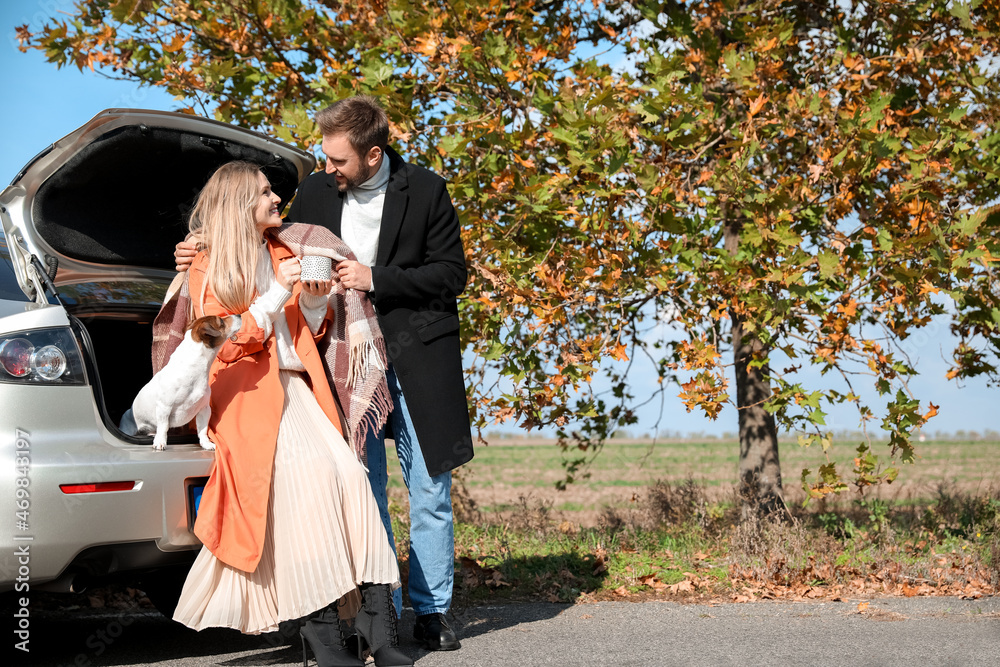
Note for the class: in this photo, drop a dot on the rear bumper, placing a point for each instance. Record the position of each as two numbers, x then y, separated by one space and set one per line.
57 434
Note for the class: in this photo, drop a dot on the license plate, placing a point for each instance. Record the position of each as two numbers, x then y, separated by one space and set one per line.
194 490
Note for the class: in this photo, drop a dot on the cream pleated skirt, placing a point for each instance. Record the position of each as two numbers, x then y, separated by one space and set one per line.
324 536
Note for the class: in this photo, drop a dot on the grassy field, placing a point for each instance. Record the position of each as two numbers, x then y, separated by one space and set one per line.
504 471
661 520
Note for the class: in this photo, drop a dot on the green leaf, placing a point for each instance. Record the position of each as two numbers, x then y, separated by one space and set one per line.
123 10
828 262
496 351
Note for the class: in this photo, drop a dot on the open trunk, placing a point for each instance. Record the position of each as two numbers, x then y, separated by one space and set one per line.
116 340
102 210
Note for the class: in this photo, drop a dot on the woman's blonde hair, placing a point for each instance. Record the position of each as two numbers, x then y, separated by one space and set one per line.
223 217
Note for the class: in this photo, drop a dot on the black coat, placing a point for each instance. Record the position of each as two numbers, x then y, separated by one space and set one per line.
419 271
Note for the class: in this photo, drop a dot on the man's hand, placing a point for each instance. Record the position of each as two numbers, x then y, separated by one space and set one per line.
184 253
354 275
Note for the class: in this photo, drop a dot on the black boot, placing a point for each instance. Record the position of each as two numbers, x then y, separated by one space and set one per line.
323 634
376 622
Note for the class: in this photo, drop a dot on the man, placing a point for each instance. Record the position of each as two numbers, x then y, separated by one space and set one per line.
399 221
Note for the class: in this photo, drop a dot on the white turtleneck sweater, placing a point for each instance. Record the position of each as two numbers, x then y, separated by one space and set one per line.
361 219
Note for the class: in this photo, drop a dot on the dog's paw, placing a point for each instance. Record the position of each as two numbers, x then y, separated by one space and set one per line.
159 446
206 444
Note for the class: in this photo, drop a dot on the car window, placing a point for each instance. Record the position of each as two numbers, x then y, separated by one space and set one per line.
9 289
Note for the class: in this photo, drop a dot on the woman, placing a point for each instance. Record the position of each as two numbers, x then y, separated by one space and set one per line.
287 519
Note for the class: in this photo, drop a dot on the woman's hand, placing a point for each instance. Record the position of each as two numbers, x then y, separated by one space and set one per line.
316 287
289 272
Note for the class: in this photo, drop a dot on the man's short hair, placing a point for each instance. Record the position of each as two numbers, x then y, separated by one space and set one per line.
360 118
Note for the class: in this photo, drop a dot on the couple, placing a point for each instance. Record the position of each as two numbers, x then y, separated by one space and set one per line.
293 527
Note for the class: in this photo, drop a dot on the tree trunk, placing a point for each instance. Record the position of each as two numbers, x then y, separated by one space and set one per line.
759 469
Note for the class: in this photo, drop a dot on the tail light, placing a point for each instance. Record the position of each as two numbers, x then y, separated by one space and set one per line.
41 356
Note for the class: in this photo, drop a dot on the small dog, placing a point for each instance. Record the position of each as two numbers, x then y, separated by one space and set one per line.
180 391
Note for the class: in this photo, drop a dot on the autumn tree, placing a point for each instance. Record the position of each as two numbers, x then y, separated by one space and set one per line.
818 171
781 183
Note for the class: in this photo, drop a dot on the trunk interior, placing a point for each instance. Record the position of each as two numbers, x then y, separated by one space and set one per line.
125 200
116 344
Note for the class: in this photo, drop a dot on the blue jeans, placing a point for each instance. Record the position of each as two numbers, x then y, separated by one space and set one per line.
432 531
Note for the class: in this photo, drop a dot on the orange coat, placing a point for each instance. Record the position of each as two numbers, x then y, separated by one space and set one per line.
247 402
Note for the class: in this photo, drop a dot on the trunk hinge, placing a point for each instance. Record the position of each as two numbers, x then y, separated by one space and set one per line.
30 275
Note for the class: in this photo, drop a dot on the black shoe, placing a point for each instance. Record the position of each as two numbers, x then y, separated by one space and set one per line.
434 633
376 623
322 633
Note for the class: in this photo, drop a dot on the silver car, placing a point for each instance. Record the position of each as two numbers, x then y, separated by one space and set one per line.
86 254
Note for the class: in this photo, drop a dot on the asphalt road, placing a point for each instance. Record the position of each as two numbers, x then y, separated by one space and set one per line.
892 631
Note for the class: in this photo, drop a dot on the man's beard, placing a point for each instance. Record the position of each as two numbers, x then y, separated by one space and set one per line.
364 173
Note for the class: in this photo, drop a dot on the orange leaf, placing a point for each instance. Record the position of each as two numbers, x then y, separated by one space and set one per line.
850 309
176 44
926 287
538 53
618 352
757 105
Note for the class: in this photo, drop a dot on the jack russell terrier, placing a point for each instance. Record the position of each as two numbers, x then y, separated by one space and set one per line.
180 391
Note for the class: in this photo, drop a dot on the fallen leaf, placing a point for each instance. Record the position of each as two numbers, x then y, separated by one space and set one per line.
682 587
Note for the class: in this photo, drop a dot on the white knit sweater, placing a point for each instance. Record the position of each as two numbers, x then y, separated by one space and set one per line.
268 310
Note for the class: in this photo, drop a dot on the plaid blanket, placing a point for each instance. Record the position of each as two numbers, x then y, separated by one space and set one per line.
353 348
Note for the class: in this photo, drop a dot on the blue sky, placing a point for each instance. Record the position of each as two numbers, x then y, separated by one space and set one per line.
43 103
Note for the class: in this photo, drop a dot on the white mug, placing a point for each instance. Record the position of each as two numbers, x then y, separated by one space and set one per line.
316 267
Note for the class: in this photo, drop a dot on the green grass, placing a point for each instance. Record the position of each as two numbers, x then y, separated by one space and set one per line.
939 523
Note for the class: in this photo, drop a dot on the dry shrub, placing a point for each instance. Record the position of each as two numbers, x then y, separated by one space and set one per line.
962 514
529 516
614 520
986 511
676 505
975 517
768 546
993 554
759 534
684 505
665 505
463 505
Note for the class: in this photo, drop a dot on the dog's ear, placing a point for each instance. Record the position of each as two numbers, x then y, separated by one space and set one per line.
210 330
